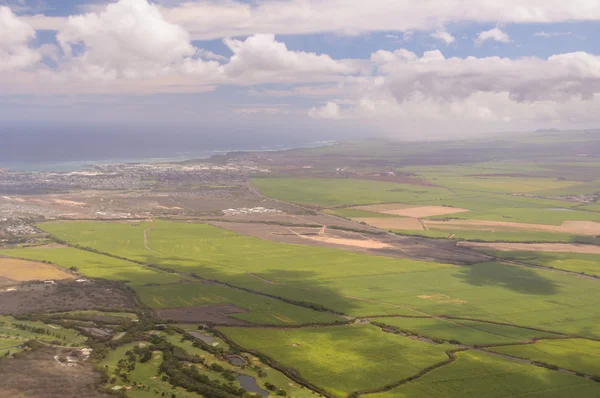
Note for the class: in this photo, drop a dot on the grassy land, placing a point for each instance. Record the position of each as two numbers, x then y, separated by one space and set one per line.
95 265
588 264
262 310
353 283
144 374
573 354
11 328
332 192
464 332
342 359
9 346
476 375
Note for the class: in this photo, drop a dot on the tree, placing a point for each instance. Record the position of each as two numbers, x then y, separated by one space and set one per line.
74 269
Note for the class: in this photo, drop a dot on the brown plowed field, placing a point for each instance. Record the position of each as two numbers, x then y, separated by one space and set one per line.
398 209
214 314
535 247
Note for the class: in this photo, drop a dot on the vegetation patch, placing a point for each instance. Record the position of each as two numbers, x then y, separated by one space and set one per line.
342 359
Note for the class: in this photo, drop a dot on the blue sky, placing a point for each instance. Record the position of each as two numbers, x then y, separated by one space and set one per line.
336 62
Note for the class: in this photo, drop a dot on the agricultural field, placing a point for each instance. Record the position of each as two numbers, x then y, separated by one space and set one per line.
476 374
14 270
584 263
343 281
94 265
257 309
342 359
462 331
574 354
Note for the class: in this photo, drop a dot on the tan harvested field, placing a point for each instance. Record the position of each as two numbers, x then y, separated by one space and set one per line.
364 243
426 211
535 247
398 209
589 228
393 223
22 271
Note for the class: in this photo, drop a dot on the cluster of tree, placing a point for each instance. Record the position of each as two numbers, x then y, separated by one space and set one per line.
275 389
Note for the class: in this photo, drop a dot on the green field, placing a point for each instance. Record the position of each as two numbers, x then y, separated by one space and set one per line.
574 354
334 192
479 375
95 265
357 213
353 283
262 310
588 264
489 236
342 359
463 332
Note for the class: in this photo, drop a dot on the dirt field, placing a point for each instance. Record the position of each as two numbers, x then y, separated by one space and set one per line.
589 228
412 211
399 246
63 296
21 271
36 374
535 247
364 243
213 314
393 223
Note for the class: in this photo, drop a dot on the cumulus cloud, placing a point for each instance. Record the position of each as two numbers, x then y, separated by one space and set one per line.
129 39
493 34
261 57
330 110
444 36
15 36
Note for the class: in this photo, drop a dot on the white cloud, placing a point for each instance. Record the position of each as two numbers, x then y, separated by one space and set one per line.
552 34
261 58
15 36
433 92
212 19
493 34
330 110
129 39
444 36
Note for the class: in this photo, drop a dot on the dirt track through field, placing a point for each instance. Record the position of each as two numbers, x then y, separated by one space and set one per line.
535 247
393 223
363 243
146 245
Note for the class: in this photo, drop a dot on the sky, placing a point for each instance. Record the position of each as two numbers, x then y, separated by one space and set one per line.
398 68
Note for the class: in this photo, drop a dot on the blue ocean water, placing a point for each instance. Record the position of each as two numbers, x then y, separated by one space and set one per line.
69 148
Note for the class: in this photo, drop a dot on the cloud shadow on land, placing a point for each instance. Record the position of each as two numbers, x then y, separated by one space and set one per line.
512 277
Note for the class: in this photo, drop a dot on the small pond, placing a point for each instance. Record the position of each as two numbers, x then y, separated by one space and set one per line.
249 384
237 361
203 337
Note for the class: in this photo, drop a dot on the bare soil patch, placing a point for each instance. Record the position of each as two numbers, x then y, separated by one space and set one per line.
36 374
393 223
426 211
213 314
23 270
64 296
364 243
589 228
535 247
399 246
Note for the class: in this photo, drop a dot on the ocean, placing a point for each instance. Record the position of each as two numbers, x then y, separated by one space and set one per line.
74 148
